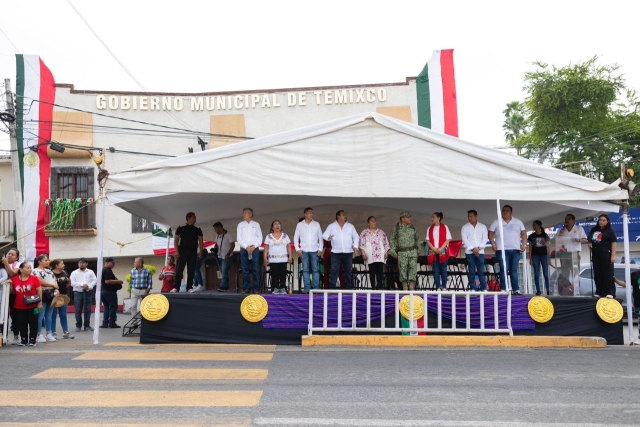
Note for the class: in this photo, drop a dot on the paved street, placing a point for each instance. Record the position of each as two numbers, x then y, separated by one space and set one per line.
120 382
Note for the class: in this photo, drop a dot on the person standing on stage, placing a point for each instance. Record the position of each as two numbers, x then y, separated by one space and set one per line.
474 238
109 294
250 239
405 246
83 281
573 237
309 244
538 255
374 247
168 274
225 245
344 243
277 253
141 283
438 238
602 241
189 247
515 240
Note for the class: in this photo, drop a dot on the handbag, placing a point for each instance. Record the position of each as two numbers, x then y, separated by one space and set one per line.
47 295
31 299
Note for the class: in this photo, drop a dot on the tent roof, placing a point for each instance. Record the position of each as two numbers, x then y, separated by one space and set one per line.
369 163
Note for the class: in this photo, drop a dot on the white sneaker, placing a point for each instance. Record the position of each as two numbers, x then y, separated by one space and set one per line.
41 338
610 296
173 291
50 338
16 341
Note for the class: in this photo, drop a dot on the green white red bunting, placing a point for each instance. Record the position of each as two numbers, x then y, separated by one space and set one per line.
36 91
436 92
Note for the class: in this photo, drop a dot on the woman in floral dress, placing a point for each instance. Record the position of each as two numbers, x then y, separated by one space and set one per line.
375 250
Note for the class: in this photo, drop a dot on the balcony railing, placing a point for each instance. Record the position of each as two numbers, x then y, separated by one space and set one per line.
7 225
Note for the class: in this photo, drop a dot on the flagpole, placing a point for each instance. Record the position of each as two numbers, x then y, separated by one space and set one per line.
17 187
166 254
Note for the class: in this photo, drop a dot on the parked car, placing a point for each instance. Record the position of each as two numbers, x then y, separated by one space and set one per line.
618 272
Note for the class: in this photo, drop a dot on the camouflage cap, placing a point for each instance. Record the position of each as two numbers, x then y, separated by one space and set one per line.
404 214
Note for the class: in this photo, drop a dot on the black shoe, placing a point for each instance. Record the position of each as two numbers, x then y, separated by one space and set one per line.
246 291
114 326
538 293
222 290
104 326
88 328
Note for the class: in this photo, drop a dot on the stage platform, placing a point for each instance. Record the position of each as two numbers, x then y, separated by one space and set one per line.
213 317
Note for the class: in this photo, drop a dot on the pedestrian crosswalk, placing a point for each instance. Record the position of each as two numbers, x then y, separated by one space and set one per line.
128 376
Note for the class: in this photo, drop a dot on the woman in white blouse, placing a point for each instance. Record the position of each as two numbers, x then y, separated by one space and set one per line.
277 253
374 246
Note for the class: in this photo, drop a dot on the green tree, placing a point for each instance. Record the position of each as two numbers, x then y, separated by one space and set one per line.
580 117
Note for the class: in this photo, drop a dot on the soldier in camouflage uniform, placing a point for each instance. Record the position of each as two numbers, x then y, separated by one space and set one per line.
404 243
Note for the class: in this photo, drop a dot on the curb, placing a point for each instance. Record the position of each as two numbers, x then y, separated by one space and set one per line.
453 341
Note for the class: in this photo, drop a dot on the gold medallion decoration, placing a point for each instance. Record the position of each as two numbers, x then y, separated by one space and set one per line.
418 307
154 307
609 310
254 308
540 309
31 159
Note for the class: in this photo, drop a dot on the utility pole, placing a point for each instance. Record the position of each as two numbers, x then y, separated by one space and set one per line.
17 187
624 183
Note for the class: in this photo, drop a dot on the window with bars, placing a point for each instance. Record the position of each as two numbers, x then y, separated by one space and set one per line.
72 183
140 225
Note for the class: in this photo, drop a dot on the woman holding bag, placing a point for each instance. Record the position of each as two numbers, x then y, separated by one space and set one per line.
438 238
375 248
28 292
62 279
49 291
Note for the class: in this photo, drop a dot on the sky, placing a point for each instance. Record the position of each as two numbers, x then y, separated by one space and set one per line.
207 46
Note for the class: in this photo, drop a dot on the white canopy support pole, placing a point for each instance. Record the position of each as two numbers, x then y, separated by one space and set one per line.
166 255
96 319
627 271
507 283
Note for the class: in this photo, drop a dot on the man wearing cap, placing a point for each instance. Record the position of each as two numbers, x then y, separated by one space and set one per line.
404 244
225 244
109 294
83 281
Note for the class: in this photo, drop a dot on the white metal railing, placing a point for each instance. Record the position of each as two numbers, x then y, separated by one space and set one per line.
454 296
4 311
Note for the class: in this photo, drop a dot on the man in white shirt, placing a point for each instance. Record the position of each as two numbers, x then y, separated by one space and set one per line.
83 281
515 242
344 243
250 239
308 242
225 245
571 236
474 238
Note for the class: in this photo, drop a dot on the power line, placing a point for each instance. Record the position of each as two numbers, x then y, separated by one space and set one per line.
189 131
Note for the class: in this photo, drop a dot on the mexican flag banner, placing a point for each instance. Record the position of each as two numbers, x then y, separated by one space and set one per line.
414 324
159 240
35 95
436 91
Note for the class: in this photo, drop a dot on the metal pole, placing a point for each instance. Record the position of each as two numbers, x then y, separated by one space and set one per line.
17 185
166 255
627 270
102 200
507 283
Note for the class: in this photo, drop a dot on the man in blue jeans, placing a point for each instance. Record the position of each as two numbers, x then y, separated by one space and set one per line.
225 245
515 242
250 239
308 244
83 281
345 242
474 238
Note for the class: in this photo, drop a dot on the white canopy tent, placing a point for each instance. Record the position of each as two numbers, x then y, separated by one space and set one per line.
367 163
